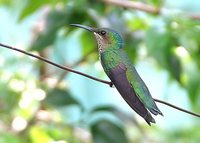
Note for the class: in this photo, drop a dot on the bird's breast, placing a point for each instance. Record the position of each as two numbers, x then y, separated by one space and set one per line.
109 60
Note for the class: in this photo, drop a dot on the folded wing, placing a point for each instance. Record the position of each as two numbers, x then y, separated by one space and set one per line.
119 79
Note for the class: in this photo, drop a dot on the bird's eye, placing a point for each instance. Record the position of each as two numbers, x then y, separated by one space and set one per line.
103 32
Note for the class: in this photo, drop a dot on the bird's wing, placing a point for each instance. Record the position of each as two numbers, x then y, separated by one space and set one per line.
119 79
142 92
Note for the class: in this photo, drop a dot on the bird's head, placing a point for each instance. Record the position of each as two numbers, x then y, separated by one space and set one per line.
106 38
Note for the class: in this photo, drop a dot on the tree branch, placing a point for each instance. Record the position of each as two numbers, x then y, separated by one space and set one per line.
178 108
75 64
133 5
91 77
143 7
59 66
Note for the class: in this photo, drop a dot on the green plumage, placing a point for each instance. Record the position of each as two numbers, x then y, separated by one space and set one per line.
117 65
112 58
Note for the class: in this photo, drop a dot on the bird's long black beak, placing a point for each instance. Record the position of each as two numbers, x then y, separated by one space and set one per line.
84 27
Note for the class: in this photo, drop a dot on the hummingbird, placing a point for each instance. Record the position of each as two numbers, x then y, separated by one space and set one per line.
119 68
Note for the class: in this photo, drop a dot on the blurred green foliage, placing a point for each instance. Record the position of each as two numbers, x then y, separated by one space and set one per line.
38 104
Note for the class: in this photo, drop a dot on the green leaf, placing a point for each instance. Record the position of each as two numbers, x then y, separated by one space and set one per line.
156 2
188 37
105 131
6 137
193 83
32 6
174 66
131 45
55 20
6 2
59 97
161 44
103 108
38 134
88 42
